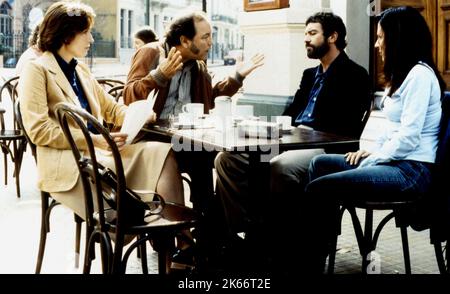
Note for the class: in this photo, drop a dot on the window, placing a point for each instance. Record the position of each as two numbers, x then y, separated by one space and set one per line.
130 29
254 5
5 18
122 27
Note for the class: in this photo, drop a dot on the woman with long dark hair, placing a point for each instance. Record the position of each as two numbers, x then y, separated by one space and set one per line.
406 149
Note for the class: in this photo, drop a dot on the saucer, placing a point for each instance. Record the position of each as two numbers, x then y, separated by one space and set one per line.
288 129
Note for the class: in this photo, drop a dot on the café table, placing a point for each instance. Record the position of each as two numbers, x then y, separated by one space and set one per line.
260 150
204 141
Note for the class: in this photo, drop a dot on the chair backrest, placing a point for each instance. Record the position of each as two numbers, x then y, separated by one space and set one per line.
9 89
18 116
116 92
108 185
437 204
443 152
108 84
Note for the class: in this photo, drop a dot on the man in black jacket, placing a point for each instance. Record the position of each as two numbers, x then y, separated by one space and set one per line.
332 97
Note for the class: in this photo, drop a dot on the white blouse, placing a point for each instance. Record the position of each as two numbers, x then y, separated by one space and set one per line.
413 114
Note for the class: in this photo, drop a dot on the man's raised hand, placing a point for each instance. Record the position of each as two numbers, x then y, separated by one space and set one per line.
170 66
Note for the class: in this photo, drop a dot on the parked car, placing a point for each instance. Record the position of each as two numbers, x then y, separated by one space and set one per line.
233 56
10 62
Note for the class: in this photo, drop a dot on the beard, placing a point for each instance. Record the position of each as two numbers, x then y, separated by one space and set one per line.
317 52
194 49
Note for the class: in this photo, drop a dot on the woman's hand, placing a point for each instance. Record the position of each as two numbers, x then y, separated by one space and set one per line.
172 64
353 158
245 68
100 142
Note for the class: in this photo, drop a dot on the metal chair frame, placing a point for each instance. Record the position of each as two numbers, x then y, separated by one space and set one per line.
14 135
47 205
401 211
114 220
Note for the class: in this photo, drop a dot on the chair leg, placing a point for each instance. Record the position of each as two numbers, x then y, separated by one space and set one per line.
44 231
332 256
118 266
367 240
143 255
5 161
17 164
442 257
78 222
106 252
404 234
90 247
89 251
333 244
162 245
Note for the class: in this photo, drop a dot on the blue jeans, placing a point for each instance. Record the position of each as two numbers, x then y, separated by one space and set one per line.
391 180
333 181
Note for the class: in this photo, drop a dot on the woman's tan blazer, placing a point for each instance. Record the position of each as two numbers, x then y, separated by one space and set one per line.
42 86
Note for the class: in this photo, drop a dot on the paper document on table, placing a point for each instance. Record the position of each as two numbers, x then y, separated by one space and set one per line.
137 115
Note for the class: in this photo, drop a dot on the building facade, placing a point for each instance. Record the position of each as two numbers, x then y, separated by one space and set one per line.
226 32
116 22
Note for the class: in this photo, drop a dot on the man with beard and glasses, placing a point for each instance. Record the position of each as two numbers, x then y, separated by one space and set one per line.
174 72
332 97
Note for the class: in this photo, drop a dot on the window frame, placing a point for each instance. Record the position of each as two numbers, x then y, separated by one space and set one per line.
256 5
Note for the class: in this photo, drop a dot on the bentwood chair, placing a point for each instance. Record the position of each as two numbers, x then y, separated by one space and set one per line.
108 84
116 92
146 216
47 205
12 140
437 210
428 211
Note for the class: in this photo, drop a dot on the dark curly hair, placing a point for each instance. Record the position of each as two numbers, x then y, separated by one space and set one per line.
62 22
146 34
331 23
183 26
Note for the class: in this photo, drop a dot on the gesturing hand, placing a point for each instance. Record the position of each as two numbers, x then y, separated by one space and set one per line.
245 68
172 64
100 142
353 158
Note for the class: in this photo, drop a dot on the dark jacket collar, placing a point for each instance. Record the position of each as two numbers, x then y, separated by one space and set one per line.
342 59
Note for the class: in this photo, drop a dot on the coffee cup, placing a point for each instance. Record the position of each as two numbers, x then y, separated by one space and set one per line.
285 121
195 109
185 118
244 111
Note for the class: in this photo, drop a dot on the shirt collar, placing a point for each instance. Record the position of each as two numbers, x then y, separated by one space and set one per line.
338 60
66 67
320 73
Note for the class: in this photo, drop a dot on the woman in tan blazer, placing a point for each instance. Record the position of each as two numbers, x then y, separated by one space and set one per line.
57 77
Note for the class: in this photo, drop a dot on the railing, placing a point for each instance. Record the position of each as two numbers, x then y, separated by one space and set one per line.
104 49
13 45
